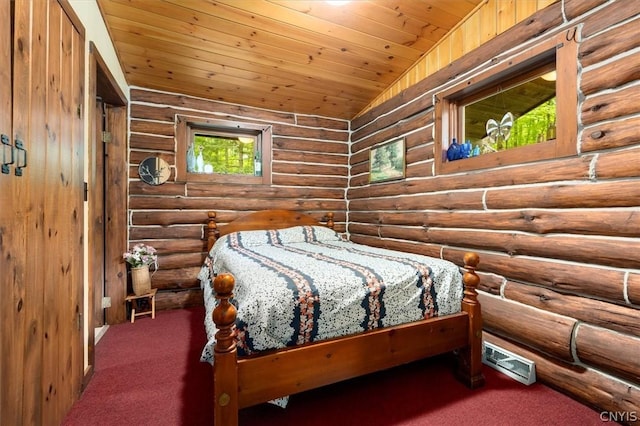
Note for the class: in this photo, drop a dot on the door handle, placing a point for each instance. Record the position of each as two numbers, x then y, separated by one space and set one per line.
21 161
6 144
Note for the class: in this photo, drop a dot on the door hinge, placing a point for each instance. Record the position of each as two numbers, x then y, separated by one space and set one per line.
86 191
106 137
106 302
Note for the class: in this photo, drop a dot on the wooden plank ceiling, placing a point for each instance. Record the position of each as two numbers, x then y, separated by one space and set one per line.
310 57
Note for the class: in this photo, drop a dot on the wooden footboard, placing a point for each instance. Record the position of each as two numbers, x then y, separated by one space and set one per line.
242 382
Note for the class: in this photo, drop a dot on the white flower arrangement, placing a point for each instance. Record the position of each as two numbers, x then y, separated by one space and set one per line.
140 255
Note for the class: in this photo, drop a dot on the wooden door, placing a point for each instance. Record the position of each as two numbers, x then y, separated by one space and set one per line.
42 215
97 214
116 212
12 243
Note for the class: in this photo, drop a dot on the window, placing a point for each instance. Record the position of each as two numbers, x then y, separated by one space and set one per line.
212 150
522 110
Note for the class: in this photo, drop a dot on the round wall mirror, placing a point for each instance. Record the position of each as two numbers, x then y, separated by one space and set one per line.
154 171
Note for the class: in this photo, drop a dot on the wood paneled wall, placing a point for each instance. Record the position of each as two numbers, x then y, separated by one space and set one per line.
491 18
558 240
310 173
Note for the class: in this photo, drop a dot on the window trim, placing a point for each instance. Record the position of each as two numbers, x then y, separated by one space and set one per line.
447 119
186 126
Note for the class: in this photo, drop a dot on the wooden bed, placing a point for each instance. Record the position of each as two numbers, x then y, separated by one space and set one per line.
245 381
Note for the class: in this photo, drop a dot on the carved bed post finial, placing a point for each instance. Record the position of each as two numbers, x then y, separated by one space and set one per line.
225 355
224 315
469 369
330 223
212 230
470 278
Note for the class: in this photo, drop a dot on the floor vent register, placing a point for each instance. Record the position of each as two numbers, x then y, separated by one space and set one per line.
514 366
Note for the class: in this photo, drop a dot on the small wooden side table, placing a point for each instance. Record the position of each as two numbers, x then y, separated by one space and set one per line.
133 298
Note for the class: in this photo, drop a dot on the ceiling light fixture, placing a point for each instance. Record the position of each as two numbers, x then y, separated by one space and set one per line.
550 76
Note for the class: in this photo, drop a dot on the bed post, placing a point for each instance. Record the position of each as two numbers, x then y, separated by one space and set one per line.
225 367
212 230
330 223
469 369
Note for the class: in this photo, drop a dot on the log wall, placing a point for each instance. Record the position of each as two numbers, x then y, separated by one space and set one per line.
309 173
558 240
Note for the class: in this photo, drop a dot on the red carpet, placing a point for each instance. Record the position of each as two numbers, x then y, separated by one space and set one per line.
149 373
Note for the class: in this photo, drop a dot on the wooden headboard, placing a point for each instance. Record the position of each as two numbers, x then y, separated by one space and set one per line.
264 219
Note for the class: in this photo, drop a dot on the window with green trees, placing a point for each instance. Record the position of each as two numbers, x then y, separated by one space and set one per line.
220 152
522 115
521 110
213 150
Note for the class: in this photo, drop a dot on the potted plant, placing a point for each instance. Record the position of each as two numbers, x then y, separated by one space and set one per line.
141 257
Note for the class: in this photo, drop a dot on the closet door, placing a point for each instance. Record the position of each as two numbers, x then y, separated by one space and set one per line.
42 216
56 141
12 245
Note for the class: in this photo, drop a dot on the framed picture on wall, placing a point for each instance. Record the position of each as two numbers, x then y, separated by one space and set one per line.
386 161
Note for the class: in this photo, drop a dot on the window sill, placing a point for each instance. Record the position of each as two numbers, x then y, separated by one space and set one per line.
526 154
220 178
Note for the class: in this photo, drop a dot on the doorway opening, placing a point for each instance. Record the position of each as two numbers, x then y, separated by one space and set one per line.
106 195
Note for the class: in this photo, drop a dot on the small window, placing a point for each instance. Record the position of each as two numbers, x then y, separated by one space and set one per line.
223 151
503 118
523 110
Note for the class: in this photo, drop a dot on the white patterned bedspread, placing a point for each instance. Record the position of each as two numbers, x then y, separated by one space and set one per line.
305 283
